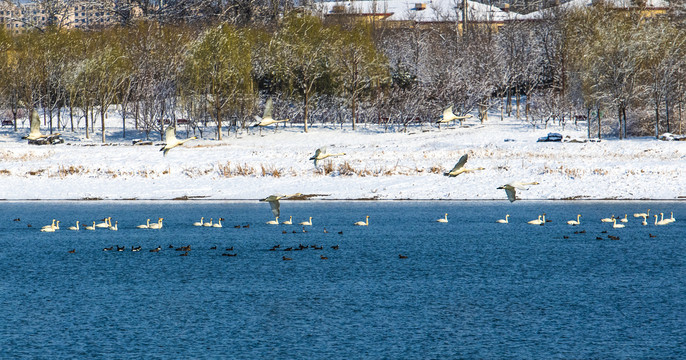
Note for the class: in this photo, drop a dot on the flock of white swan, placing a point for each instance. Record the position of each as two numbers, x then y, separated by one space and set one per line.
541 220
617 223
105 224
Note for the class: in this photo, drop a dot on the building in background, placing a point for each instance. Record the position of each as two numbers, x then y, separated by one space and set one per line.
20 16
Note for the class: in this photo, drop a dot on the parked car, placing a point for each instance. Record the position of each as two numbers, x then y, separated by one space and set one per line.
557 137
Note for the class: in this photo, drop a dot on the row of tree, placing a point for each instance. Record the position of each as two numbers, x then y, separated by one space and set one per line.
582 63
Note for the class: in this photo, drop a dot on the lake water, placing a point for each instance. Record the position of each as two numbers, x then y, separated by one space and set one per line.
470 288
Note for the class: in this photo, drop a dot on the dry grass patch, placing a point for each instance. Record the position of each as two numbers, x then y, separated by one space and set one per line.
563 171
71 170
270 171
328 168
244 170
600 172
5 172
35 172
227 170
346 169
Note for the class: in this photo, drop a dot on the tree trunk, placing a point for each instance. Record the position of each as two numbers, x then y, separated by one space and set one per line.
102 122
657 119
517 98
85 113
599 132
219 122
305 113
619 115
509 103
71 116
123 120
624 120
680 129
667 115
588 123
14 116
354 114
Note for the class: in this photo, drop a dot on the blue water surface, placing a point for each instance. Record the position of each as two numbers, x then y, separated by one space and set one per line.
471 288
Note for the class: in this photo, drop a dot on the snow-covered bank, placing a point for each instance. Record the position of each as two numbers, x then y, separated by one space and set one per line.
377 165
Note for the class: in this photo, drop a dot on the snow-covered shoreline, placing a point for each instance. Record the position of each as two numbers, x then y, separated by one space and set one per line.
378 165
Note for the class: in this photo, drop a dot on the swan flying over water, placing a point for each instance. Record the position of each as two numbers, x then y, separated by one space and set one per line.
511 188
273 201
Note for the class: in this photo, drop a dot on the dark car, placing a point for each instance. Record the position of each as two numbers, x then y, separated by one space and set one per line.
551 137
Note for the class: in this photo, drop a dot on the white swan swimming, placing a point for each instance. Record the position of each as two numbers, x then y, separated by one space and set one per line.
289 221
218 224
575 222
105 224
645 221
92 227
74 228
511 188
144 226
208 224
366 222
671 218
273 222
608 220
506 220
645 214
157 225
449 116
615 225
321 154
538 221
199 223
459 168
47 229
624 219
171 141
308 223
52 226
662 221
443 219
114 227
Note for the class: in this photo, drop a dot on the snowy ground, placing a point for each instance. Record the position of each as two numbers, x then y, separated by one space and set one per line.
377 165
